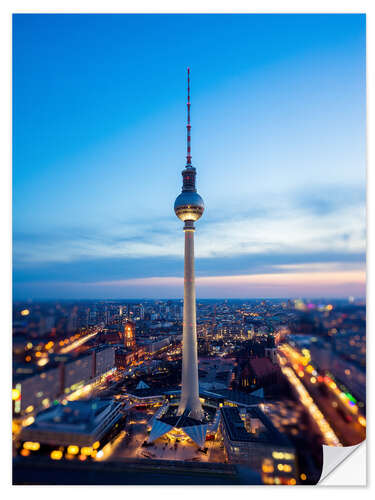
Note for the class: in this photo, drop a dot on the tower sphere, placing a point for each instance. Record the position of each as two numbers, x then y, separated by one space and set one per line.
189 206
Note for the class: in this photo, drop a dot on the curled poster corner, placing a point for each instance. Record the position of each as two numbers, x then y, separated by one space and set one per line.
344 466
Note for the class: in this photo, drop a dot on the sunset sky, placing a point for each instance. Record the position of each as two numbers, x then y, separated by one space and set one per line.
278 140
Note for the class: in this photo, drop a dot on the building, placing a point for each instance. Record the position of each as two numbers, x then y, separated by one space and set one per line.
38 391
111 336
271 353
259 372
124 358
250 438
139 312
104 360
143 395
66 375
79 427
215 373
129 335
152 347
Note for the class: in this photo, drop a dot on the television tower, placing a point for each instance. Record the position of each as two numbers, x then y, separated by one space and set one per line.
189 208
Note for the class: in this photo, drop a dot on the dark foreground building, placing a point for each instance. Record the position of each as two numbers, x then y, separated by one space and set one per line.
145 472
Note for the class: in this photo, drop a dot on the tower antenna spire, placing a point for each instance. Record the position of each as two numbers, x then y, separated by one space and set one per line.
188 126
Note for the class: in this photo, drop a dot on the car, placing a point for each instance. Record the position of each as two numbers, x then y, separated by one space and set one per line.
347 418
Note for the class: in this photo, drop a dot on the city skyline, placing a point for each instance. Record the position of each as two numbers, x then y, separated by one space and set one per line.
277 379
278 139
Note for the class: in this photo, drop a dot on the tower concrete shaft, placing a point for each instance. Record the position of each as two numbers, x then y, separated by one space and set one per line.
190 388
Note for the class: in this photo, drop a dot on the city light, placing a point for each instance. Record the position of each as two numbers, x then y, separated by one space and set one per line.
77 343
16 394
28 421
329 436
73 449
28 445
362 421
345 398
56 454
267 466
280 455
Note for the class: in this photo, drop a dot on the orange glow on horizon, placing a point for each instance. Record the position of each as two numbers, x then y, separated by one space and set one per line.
278 281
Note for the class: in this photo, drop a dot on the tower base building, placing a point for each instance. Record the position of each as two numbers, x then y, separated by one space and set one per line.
179 425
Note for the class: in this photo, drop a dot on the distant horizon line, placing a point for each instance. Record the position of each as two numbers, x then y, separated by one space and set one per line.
181 299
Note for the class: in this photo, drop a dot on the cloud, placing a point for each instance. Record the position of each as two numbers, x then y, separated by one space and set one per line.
106 269
312 232
304 284
327 199
279 225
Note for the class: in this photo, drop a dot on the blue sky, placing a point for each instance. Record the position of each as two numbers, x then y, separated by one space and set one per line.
278 139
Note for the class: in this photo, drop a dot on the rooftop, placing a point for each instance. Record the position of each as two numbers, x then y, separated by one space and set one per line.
262 367
23 371
74 417
238 397
237 431
170 417
151 392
